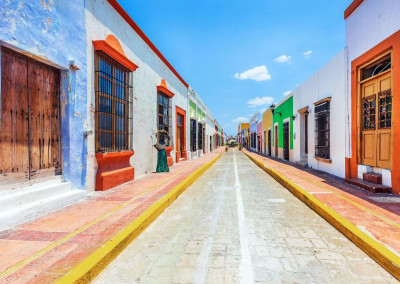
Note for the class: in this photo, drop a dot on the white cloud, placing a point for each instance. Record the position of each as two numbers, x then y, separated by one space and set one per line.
241 119
283 59
260 101
286 93
307 53
259 73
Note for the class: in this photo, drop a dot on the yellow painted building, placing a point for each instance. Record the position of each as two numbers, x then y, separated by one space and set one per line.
267 131
243 126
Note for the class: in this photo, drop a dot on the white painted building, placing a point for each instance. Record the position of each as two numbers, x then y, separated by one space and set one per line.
373 38
325 91
113 39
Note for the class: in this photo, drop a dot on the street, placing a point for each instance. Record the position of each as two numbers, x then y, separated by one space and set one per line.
237 224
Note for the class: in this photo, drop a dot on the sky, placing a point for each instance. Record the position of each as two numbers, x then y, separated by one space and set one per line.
242 55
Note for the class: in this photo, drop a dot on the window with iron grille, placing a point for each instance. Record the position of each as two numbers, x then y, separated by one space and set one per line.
322 131
113 104
200 136
164 116
193 131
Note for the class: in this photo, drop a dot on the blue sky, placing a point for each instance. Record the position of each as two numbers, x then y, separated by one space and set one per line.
212 43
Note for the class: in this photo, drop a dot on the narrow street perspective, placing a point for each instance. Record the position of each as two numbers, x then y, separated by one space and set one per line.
199 141
236 224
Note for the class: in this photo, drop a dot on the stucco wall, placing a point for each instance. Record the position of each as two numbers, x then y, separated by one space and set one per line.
55 31
101 20
329 81
371 23
285 108
267 124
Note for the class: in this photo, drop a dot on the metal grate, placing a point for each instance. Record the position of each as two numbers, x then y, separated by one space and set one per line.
193 125
164 116
369 111
385 109
200 136
322 130
113 104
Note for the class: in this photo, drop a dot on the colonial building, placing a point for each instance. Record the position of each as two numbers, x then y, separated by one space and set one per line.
254 120
282 121
373 85
43 107
319 112
267 131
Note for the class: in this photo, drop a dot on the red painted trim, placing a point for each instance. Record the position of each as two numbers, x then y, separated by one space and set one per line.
182 112
391 43
135 27
165 91
113 51
354 5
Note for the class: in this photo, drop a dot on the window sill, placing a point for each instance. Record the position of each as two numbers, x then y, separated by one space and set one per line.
115 154
329 161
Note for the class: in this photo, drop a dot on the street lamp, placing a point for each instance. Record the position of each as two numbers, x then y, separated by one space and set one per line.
273 110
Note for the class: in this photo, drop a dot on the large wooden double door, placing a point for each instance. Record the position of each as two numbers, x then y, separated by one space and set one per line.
30 129
376 121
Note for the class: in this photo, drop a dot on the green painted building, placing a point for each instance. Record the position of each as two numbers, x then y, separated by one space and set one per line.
282 134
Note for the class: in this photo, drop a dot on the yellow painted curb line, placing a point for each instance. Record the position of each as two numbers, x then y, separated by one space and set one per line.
88 269
376 250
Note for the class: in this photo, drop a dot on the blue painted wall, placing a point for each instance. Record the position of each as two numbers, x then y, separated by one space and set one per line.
55 30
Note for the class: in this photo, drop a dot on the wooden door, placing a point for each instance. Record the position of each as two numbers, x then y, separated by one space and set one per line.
179 138
276 140
376 130
306 134
286 141
30 133
14 153
265 142
269 142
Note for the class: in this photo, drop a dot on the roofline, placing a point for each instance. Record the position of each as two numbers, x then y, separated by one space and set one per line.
354 5
135 27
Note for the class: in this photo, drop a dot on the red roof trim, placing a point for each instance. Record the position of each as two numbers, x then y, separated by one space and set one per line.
136 28
354 5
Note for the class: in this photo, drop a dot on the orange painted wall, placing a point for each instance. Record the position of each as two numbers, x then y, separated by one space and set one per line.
391 43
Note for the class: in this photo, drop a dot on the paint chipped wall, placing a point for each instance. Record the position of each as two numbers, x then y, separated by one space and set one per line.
55 31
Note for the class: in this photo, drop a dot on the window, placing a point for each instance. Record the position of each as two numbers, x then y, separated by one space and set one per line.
376 68
322 148
164 115
193 125
113 104
200 135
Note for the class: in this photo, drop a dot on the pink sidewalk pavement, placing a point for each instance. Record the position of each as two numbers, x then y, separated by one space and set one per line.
45 249
376 214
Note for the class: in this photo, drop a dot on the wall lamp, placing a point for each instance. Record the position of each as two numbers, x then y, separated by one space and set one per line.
273 110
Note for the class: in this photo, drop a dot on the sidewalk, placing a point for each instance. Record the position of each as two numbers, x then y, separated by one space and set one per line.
377 215
45 249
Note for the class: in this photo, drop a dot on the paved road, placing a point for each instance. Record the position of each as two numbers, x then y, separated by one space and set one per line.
237 224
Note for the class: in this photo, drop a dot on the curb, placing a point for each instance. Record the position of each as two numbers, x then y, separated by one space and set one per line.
376 250
89 268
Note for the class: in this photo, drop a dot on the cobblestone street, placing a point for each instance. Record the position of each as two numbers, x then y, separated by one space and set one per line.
237 224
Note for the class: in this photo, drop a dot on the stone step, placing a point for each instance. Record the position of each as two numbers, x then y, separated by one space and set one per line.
368 186
24 204
302 163
372 177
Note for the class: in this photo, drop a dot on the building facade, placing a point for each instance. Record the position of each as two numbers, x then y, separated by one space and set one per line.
43 134
373 82
267 131
254 120
283 129
319 125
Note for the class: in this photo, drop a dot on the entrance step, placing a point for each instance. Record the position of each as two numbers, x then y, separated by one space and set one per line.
20 205
373 177
302 163
369 186
304 159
